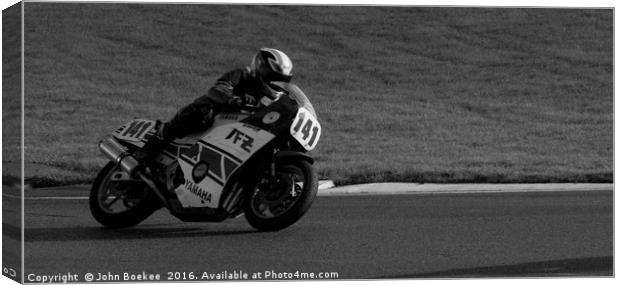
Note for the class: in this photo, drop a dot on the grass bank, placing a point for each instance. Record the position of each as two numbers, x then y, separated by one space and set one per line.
404 93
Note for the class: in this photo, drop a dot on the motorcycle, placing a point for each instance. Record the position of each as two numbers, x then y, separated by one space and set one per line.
247 163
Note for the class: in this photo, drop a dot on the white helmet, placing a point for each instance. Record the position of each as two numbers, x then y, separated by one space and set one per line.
272 65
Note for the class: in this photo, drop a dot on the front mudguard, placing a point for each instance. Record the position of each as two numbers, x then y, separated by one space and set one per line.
287 155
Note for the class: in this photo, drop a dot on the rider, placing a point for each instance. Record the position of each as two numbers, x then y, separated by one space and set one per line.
234 90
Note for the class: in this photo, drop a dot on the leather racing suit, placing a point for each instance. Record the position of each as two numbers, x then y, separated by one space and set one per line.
231 92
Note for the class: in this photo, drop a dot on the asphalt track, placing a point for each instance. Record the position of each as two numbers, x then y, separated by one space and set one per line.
407 234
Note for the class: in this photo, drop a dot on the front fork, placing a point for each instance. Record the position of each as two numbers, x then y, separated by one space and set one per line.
272 170
274 180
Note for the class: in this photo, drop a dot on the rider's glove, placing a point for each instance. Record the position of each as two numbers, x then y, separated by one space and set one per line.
236 101
249 100
242 101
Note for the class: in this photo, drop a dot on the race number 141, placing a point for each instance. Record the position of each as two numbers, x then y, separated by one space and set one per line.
306 129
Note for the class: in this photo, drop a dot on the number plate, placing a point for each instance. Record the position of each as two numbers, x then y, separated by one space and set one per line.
136 131
306 129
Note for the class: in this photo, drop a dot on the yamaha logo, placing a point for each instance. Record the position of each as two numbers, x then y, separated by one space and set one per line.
271 117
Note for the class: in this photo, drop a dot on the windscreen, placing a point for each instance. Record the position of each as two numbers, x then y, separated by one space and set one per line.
296 94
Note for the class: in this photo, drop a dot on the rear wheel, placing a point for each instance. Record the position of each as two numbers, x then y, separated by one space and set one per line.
117 200
274 205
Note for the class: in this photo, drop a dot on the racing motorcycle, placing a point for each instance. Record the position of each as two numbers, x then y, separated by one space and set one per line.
247 163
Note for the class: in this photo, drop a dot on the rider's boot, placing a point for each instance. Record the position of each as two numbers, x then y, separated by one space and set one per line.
155 145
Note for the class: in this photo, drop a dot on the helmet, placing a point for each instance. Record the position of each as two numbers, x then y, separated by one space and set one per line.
272 65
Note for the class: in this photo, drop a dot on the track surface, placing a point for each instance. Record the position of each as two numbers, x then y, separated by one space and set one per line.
394 236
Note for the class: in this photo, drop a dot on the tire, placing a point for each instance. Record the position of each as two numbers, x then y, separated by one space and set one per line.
257 211
138 200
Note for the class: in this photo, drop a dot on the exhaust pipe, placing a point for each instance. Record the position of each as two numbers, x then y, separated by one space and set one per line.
119 154
116 152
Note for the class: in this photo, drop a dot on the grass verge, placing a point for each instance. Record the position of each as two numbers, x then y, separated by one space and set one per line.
417 94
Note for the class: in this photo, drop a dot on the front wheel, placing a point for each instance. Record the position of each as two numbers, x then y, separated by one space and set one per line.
274 204
117 200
